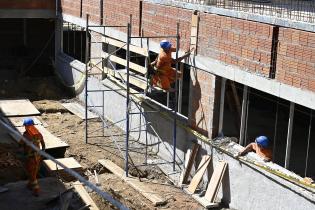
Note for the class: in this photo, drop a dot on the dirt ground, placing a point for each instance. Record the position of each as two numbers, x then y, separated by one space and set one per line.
47 96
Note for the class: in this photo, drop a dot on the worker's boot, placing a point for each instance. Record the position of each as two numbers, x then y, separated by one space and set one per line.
36 191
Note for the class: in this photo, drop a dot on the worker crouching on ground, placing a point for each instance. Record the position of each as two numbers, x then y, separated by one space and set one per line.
261 147
33 159
164 74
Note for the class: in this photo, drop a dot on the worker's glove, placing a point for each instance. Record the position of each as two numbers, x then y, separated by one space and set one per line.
237 155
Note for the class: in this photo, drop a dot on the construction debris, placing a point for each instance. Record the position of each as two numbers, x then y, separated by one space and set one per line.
79 110
84 195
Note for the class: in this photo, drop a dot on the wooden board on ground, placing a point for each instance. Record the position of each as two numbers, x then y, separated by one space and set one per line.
21 107
50 140
18 121
204 202
53 169
85 195
141 187
78 110
199 174
190 163
215 182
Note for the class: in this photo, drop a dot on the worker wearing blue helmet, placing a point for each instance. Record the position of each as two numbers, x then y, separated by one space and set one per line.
33 158
261 146
164 74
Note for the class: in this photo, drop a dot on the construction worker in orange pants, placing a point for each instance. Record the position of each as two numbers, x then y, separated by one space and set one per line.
33 159
164 74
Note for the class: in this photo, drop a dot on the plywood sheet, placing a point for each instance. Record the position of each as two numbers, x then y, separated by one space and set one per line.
85 195
22 107
215 181
199 174
79 110
141 187
18 121
68 162
50 140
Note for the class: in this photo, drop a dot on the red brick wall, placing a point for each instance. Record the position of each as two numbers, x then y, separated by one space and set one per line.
71 7
27 4
237 42
118 13
201 101
159 20
296 58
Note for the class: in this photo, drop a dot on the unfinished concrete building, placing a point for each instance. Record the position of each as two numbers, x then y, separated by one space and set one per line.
252 73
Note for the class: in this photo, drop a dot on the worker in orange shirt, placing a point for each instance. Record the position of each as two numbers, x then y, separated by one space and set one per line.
261 147
33 159
164 74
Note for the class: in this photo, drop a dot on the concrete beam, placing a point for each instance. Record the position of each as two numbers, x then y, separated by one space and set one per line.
285 22
27 13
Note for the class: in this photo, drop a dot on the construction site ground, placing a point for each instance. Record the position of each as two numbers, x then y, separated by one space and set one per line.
47 95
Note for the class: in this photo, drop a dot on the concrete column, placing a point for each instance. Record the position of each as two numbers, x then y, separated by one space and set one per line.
58 36
244 116
223 82
289 136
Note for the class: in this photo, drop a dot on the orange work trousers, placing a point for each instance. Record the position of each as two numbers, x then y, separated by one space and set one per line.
164 79
32 165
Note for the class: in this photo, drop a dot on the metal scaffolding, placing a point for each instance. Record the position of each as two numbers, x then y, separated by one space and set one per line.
126 79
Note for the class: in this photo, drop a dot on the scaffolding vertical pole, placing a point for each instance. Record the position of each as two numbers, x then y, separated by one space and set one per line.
289 136
180 89
275 135
175 100
86 76
127 97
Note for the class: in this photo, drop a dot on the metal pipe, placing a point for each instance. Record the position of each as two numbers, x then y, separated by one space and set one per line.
180 89
175 103
289 136
86 77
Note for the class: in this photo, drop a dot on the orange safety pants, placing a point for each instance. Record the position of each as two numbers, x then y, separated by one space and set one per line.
164 79
32 165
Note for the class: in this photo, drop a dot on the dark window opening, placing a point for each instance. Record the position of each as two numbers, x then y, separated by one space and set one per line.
74 41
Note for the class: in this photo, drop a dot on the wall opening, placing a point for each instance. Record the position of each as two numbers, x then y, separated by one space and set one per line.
27 47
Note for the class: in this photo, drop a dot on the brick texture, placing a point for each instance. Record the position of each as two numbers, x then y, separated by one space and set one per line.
201 101
27 4
242 43
159 20
296 58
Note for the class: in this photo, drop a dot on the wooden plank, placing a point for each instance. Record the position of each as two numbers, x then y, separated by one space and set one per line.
50 140
53 169
204 202
206 159
141 187
79 110
123 62
85 195
215 182
18 121
191 162
22 107
68 162
194 20
120 44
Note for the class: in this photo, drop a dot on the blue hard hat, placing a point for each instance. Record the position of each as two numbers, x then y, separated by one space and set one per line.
262 141
165 44
28 121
